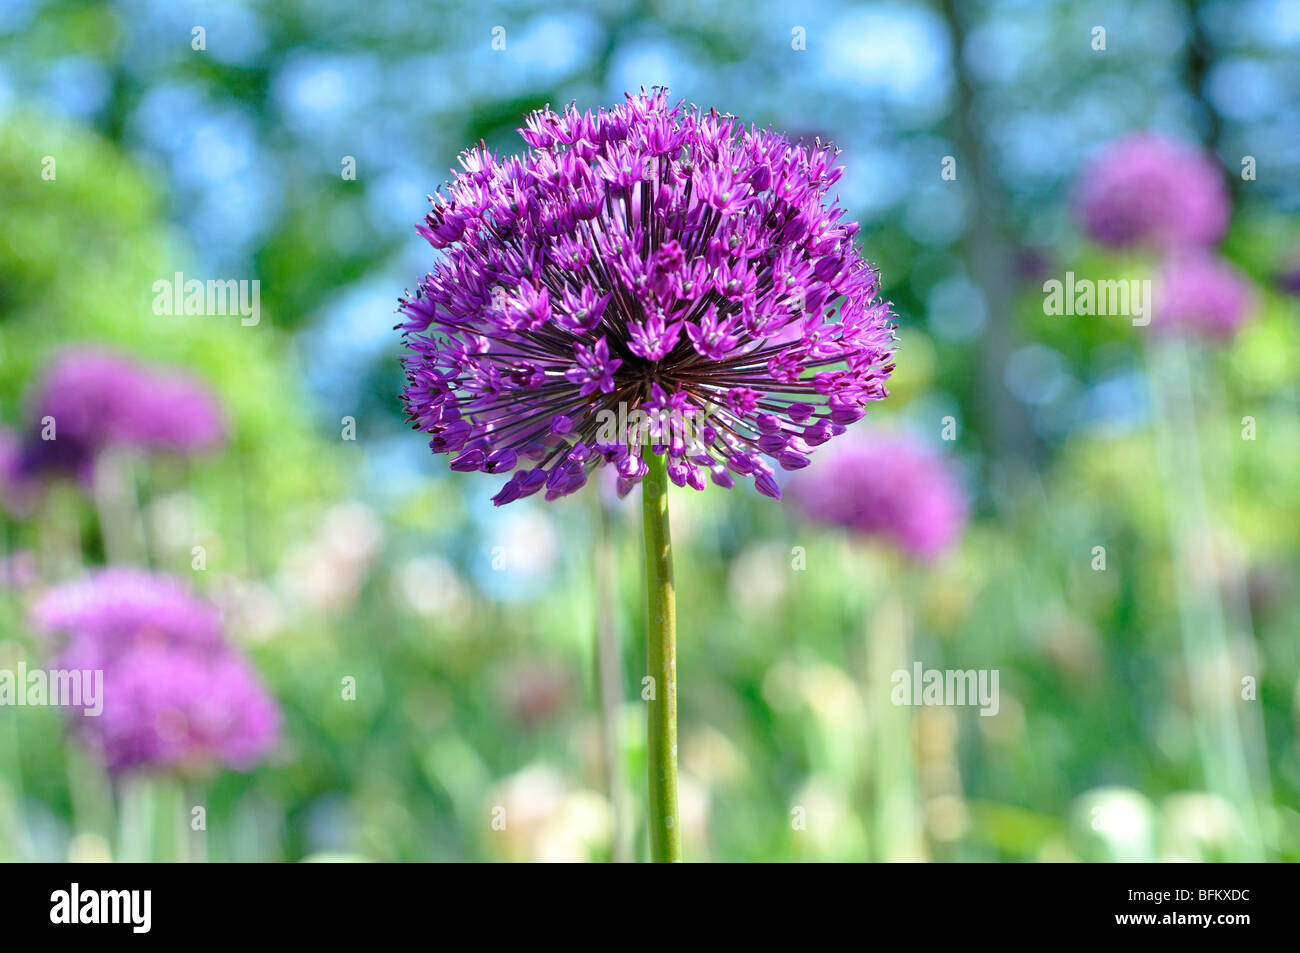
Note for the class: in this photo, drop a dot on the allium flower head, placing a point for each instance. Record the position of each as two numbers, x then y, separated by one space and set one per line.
886 485
647 275
167 707
176 695
1149 189
100 399
1201 294
114 611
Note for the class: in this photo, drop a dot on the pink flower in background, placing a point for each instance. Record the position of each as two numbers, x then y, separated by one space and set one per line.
99 399
889 485
1200 293
1147 189
176 694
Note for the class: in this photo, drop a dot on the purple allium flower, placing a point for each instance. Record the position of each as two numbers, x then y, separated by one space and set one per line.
645 261
173 707
889 485
1200 293
1149 189
114 611
176 695
99 399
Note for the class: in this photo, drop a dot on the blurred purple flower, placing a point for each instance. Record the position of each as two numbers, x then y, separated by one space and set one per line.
1147 189
650 259
888 485
114 611
1200 293
176 694
99 399
172 707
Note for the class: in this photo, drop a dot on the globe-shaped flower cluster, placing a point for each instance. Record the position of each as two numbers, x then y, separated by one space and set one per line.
176 694
649 278
92 399
1154 194
888 486
1199 292
1148 189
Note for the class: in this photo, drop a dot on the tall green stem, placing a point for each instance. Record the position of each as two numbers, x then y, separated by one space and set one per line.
1208 652
136 807
898 831
661 665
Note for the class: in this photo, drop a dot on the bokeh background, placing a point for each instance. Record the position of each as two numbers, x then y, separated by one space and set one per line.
472 632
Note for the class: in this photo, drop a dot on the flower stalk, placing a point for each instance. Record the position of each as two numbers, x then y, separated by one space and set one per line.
1207 637
661 665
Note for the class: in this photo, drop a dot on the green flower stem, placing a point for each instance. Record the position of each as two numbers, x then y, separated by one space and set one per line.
195 795
661 664
136 807
1208 648
117 502
15 839
897 833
